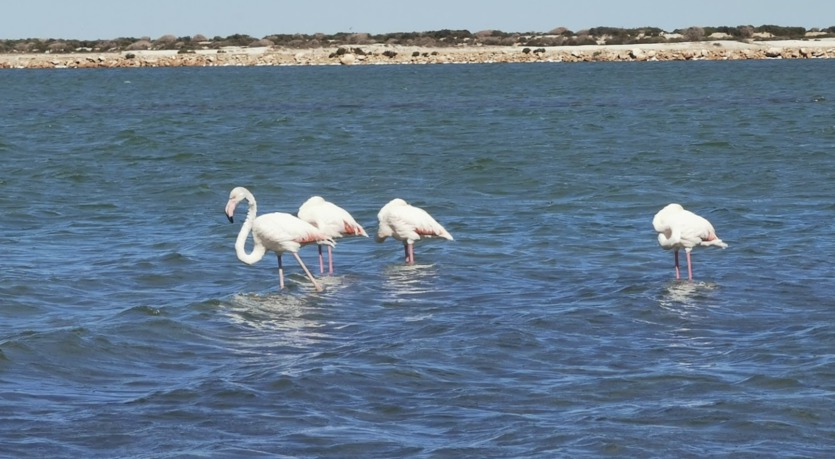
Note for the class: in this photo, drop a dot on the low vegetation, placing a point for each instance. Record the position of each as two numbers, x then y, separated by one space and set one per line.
440 38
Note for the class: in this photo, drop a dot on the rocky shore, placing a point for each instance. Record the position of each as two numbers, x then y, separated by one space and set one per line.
387 54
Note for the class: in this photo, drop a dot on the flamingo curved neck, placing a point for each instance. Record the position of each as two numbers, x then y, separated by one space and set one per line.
258 250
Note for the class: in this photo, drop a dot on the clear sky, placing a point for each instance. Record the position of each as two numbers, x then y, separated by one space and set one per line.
104 19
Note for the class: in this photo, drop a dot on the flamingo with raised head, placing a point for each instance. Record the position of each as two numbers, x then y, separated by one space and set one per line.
407 223
332 220
681 229
278 232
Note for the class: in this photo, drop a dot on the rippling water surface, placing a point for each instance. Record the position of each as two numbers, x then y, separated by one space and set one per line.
551 327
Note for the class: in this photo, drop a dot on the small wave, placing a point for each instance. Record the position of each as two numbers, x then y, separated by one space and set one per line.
772 382
141 311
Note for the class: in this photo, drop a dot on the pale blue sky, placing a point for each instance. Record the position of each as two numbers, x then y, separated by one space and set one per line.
102 19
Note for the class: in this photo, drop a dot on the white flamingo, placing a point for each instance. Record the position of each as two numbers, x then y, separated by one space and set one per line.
332 220
279 232
681 229
407 223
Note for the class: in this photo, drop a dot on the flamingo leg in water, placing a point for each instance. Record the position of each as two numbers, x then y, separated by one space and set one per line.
689 267
410 253
321 262
330 260
306 271
280 273
678 275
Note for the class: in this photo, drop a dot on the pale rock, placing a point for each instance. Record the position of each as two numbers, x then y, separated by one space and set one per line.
773 52
638 54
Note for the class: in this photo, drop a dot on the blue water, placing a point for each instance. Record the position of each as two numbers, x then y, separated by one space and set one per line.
552 326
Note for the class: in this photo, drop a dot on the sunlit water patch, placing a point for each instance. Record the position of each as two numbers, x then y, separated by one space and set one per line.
551 326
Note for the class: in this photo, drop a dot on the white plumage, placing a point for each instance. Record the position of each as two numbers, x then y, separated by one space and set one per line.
407 223
332 220
681 229
278 232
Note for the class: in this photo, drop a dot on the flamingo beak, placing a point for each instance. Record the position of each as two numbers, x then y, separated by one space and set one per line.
230 210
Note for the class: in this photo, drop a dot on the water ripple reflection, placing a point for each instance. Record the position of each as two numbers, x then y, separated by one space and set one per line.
550 327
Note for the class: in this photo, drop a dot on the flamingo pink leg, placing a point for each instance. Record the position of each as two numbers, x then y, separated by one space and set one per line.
321 262
280 273
678 275
306 271
689 267
330 260
410 253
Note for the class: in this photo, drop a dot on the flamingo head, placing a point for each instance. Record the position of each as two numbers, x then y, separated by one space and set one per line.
237 195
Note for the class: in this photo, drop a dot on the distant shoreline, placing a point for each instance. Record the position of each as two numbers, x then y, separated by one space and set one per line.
378 54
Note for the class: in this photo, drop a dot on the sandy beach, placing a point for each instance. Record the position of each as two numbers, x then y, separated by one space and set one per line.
378 54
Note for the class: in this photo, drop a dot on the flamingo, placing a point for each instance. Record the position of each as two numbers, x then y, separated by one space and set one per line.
681 229
279 232
408 224
332 220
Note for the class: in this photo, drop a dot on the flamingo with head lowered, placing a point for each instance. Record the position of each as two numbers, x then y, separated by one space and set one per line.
332 220
278 232
681 229
407 223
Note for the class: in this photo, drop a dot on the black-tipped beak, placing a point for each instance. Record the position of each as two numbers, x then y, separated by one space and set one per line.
231 220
